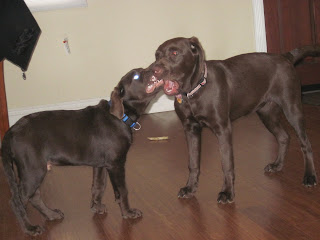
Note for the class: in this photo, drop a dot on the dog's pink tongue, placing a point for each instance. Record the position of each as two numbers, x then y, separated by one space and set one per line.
170 87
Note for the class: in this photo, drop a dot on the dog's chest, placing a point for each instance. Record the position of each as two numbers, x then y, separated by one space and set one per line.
196 110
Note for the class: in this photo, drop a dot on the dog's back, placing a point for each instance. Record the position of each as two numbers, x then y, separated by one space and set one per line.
255 78
90 136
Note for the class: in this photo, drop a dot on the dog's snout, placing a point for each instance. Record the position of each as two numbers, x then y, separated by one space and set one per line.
157 70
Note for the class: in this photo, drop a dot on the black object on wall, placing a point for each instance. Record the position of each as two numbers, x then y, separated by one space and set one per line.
19 33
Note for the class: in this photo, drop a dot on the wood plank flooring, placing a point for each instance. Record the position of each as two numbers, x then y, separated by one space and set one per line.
267 206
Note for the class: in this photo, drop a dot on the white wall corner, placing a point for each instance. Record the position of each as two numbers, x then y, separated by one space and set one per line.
259 26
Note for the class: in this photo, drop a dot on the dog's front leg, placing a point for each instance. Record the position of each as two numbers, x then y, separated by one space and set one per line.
193 135
99 183
224 135
117 177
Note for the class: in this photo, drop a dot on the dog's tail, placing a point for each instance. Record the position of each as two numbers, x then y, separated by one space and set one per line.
8 161
298 54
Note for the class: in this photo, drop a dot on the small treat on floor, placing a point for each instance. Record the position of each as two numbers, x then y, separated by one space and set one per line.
158 138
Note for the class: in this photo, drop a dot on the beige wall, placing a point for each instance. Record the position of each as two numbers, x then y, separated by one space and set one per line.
110 37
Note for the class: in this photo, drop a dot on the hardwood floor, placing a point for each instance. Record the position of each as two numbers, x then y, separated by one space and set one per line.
267 206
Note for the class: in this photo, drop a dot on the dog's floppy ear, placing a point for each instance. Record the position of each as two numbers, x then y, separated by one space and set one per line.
116 108
196 48
194 41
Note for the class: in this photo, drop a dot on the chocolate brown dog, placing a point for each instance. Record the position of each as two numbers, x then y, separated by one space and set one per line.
214 93
97 136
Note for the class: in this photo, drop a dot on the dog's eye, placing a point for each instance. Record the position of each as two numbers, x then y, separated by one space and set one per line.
175 53
121 92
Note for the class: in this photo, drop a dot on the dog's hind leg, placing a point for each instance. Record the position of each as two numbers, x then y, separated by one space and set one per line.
117 177
28 184
18 204
270 116
50 214
293 112
23 219
99 183
19 209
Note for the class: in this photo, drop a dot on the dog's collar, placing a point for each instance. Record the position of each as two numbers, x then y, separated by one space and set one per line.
128 121
201 83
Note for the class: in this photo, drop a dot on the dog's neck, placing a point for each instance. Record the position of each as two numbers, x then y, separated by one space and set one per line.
201 82
133 109
194 89
130 116
130 111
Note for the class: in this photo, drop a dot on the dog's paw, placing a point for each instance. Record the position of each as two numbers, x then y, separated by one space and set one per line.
309 180
34 230
225 197
186 192
132 213
99 208
273 167
56 214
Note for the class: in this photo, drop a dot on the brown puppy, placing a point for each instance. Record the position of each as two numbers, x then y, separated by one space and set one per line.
97 136
214 93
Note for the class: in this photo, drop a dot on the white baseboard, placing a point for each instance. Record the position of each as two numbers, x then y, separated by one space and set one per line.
161 103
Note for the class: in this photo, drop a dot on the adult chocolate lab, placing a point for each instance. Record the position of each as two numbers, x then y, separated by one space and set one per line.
97 136
214 93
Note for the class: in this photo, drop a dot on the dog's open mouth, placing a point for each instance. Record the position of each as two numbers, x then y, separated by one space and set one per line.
171 87
153 84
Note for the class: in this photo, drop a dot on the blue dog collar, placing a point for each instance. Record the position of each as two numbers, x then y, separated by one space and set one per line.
128 121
